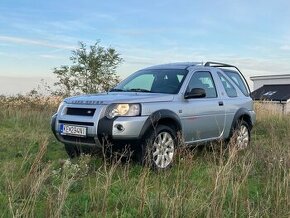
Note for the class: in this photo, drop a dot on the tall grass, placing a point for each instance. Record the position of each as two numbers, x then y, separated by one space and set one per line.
38 180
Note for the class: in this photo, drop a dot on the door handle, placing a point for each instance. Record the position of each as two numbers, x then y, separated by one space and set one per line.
221 103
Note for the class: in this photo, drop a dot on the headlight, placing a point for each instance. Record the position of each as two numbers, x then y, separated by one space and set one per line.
127 110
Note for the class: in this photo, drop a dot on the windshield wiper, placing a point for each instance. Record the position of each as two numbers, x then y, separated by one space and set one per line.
117 90
138 90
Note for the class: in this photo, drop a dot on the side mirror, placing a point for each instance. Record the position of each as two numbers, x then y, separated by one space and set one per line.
195 93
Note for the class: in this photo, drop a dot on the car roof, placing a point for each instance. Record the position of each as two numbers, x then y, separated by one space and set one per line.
177 65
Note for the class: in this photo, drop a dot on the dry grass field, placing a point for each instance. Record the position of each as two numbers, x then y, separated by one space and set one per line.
38 180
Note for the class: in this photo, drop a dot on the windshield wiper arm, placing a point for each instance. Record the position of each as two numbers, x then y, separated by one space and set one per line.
117 90
139 90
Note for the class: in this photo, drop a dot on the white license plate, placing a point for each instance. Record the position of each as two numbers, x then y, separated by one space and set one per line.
73 130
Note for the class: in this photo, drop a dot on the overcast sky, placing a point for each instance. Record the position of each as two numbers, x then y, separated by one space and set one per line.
36 36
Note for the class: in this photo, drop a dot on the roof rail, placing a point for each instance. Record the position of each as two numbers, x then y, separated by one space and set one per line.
217 64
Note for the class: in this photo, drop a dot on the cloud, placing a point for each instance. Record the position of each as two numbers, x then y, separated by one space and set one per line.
285 47
36 42
48 56
251 66
137 58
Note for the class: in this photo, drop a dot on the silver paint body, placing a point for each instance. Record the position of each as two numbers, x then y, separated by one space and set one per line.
202 119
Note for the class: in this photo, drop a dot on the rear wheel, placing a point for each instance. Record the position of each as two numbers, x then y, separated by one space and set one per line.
159 149
242 136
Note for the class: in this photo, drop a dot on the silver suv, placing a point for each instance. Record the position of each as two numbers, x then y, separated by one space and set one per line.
155 107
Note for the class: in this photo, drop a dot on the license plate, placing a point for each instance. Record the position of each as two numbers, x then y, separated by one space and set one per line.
73 130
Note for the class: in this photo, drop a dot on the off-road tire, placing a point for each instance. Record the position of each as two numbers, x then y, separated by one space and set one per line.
158 148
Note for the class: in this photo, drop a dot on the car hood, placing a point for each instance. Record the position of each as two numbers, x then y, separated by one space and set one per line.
119 97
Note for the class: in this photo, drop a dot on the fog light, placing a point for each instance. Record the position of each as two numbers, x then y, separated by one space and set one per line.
120 127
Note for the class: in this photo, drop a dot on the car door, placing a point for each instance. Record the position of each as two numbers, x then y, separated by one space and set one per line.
203 118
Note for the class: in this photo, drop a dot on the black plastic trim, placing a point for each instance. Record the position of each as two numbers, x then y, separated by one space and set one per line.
76 123
105 127
77 140
156 117
240 113
89 112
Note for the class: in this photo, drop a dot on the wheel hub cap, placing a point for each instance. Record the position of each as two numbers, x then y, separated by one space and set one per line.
242 138
163 150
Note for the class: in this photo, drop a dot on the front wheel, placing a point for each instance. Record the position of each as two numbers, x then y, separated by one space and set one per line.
160 147
242 136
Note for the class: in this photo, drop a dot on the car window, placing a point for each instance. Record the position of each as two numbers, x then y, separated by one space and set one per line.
237 79
143 81
229 88
204 80
180 77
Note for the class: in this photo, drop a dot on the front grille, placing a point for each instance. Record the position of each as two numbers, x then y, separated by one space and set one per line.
76 123
81 111
74 139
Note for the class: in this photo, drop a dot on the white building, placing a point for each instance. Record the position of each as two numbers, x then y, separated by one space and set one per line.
259 81
273 91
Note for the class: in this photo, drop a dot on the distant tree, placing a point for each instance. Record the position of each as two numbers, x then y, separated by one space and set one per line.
93 70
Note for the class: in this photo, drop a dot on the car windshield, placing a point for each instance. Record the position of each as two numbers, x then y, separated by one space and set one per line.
166 81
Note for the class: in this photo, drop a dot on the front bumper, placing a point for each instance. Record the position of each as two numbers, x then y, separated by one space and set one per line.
122 127
100 131
91 139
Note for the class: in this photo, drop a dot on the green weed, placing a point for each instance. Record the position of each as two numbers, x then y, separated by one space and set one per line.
38 180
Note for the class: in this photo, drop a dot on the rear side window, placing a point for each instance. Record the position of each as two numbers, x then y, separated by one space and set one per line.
237 79
229 88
